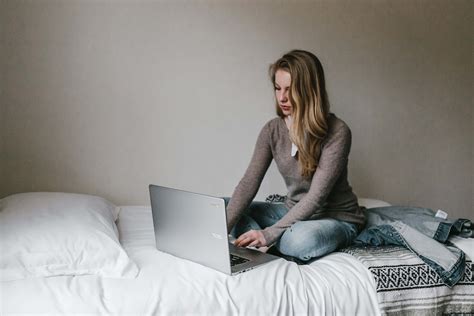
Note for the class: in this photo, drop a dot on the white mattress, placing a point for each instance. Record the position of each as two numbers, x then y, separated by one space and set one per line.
337 284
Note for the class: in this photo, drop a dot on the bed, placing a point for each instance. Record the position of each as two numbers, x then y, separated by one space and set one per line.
338 284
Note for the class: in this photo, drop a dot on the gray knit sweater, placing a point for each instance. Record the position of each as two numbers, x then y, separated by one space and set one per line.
326 194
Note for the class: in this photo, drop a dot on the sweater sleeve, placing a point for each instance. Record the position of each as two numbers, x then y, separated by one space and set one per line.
248 186
333 160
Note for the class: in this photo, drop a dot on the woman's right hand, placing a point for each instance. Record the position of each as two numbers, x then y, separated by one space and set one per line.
252 238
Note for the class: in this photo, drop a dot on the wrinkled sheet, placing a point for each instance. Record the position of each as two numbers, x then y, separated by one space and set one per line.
337 284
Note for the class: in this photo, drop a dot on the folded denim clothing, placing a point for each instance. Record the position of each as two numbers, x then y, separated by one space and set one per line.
421 232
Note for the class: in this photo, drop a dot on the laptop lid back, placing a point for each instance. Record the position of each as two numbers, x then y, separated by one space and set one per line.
191 226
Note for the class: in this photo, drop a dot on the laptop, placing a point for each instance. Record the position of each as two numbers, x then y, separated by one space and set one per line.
193 226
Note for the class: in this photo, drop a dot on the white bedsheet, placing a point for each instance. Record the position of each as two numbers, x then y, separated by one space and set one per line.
337 284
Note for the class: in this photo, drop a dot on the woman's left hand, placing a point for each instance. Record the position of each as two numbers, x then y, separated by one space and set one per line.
252 238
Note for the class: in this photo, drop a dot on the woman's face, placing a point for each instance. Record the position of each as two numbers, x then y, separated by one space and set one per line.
282 90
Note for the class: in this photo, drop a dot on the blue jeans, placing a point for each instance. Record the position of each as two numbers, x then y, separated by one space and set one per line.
304 240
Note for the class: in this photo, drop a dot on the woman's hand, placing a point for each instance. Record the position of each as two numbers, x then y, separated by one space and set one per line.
252 238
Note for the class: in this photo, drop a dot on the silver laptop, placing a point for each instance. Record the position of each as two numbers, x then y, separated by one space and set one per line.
194 227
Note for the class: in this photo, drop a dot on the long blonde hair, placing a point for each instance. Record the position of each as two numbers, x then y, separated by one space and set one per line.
310 105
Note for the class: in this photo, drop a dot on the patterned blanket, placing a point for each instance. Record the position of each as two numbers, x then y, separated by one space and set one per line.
407 286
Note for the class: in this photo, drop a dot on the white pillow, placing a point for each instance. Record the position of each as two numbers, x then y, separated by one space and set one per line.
50 234
369 203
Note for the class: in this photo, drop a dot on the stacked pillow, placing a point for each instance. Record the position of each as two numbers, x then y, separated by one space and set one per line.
48 234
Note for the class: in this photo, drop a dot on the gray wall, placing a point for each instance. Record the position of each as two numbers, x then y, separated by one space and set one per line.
2 99
106 97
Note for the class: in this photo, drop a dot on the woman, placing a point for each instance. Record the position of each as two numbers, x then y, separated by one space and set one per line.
310 146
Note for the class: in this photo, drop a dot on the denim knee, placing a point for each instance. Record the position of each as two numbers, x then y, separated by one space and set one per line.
297 242
313 239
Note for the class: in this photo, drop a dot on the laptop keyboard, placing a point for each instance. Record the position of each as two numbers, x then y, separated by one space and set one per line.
235 260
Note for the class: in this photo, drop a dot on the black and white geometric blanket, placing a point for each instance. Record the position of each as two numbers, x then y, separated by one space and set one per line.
407 286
